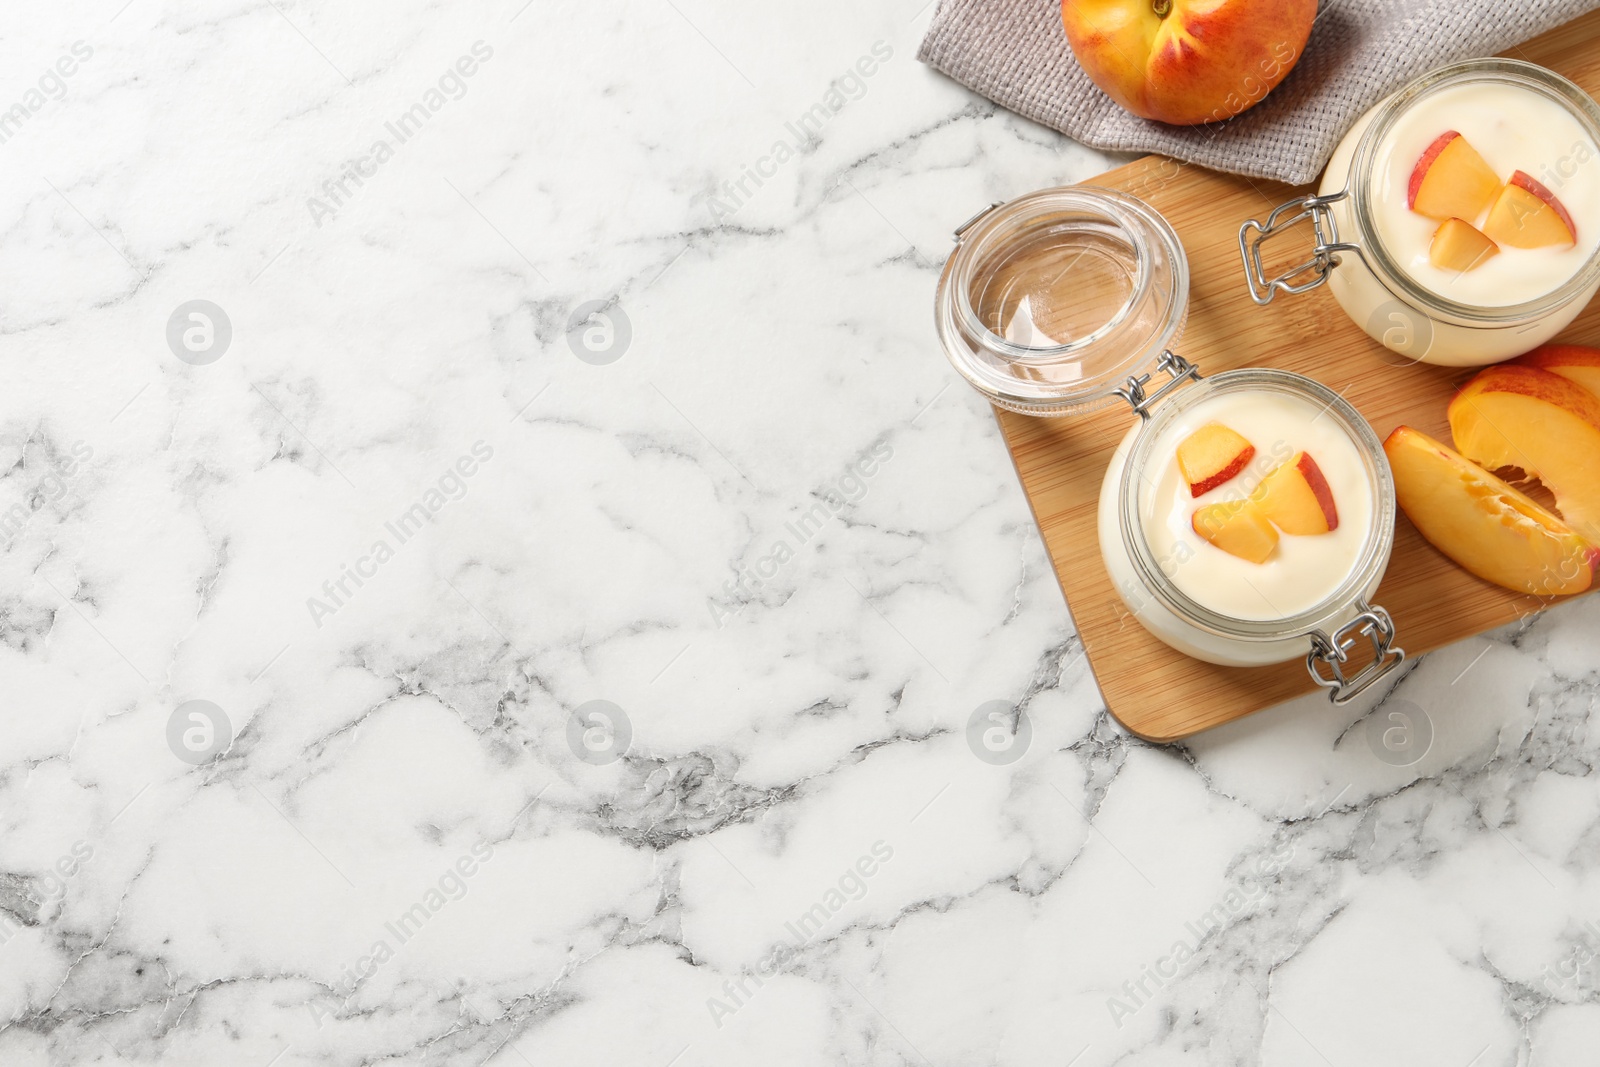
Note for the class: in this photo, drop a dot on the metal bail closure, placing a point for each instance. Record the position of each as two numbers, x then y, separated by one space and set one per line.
1179 371
1333 653
1308 274
961 231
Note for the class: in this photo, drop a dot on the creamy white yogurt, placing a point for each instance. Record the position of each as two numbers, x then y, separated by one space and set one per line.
1303 571
1513 128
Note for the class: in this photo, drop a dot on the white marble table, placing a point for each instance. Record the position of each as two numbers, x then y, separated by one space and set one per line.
373 511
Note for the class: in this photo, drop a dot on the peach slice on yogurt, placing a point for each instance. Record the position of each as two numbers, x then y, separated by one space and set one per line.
1487 526
1460 246
1541 423
1297 498
1212 455
1527 215
1451 180
1236 527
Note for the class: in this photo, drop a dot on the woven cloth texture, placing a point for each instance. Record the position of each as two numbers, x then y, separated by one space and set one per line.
1015 52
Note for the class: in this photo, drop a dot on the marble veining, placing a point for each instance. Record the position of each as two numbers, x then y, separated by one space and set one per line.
494 569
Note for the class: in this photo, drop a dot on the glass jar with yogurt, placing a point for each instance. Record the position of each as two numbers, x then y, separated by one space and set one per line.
1373 250
1068 300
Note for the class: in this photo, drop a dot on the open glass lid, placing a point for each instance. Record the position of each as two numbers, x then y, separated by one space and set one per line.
1051 302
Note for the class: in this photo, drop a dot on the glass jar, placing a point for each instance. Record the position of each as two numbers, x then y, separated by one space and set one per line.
1067 300
1035 347
1367 277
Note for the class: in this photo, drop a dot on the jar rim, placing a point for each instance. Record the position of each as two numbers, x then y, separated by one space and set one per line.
1375 551
1123 345
1386 268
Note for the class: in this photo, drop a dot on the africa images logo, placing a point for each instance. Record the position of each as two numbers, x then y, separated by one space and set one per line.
51 85
451 85
851 885
802 133
449 486
827 502
451 885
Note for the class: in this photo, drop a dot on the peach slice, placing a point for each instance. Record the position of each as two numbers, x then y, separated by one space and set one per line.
1296 497
1576 363
1527 215
1451 180
1460 246
1236 527
1549 427
1211 455
1485 525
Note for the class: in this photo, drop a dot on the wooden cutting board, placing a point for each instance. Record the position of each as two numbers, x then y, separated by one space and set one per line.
1154 691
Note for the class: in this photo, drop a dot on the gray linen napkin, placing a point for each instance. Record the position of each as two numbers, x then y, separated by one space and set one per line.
1015 52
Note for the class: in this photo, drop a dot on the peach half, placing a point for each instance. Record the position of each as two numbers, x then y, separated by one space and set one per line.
1451 180
1485 525
1542 423
1212 455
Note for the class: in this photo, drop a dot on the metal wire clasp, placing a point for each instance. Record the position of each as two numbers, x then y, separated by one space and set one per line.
1308 274
1179 369
1333 653
961 231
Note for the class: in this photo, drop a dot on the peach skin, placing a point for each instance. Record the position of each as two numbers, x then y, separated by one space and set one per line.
1187 61
1487 526
1541 423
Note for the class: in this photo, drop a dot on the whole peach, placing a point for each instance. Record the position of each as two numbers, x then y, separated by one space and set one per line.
1187 61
